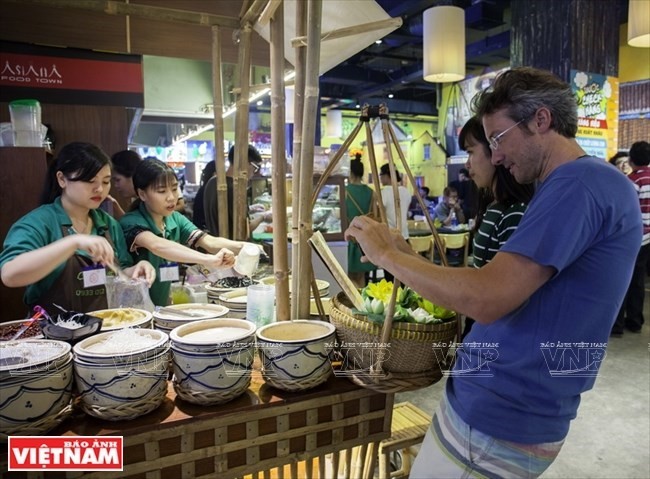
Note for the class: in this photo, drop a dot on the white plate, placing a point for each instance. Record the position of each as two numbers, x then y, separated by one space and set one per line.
198 310
220 290
321 284
235 299
20 322
138 317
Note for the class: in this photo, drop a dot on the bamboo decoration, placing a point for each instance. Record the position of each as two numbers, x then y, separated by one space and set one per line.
240 175
299 101
365 117
278 186
220 159
301 276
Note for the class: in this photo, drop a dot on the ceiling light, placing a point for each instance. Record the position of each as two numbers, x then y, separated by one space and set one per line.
378 42
390 95
444 44
259 103
638 23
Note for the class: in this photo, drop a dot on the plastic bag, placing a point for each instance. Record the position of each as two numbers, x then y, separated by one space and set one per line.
128 293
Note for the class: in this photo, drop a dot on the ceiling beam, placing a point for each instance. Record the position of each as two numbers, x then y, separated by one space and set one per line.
112 7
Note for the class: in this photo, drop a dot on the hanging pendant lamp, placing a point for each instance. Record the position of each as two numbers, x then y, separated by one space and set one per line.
638 23
443 43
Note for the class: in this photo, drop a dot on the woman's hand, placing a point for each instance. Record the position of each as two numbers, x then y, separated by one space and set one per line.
142 270
98 247
223 259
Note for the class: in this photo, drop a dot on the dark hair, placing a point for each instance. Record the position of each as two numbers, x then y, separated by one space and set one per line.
385 170
356 168
253 155
522 91
124 162
152 174
640 153
208 172
77 161
426 190
620 154
464 171
505 189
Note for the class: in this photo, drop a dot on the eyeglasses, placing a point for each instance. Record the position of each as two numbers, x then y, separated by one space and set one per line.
495 140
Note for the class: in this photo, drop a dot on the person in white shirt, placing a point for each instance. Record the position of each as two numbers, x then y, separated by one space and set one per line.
389 201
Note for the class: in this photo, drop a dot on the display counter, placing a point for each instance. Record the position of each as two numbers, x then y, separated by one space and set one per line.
263 429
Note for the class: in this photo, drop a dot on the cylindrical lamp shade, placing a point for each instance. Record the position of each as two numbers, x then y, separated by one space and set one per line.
638 23
289 104
443 44
334 124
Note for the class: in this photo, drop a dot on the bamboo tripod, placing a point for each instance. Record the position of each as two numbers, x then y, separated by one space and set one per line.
371 379
367 113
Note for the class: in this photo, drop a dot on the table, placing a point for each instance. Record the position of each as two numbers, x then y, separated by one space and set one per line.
263 429
418 232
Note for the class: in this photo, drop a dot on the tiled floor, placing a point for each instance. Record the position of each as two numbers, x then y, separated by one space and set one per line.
610 438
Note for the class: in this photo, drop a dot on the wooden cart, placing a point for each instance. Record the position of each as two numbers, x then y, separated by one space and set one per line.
336 426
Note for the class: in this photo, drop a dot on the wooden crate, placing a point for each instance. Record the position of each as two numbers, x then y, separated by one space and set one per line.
261 430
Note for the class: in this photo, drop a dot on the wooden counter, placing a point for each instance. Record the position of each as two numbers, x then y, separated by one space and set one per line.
263 429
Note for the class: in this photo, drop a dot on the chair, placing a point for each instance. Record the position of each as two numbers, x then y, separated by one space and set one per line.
421 244
456 248
408 427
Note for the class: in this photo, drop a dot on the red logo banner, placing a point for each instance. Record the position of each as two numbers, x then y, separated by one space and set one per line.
66 453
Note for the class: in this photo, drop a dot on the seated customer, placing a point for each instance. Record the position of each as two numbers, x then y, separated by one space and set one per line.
448 207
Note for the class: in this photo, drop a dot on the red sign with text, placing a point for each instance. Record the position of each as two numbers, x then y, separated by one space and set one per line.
66 453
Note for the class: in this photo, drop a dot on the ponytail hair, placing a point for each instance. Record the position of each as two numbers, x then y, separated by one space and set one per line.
77 161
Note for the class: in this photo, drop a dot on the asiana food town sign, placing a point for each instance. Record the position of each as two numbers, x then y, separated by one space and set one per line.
70 76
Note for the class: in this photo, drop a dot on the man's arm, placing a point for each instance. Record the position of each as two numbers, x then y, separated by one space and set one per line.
485 294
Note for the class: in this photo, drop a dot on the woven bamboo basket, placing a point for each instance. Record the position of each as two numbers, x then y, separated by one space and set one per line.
413 358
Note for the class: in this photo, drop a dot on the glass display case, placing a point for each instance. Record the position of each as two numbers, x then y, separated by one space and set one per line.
329 214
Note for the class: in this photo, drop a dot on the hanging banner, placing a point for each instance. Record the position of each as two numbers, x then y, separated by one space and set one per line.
597 99
70 76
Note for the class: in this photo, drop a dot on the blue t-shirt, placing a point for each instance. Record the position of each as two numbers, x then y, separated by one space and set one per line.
520 378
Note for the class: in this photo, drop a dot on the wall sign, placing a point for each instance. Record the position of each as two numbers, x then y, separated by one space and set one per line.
69 75
597 99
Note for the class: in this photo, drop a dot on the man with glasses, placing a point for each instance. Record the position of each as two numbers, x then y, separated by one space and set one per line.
210 194
551 292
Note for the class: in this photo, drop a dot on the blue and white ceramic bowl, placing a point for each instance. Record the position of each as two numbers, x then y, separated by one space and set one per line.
212 359
296 354
35 384
132 384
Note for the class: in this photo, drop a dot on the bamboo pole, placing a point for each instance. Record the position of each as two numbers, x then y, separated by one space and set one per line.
365 117
269 12
301 294
278 186
220 159
253 13
112 7
391 167
353 30
240 175
334 161
299 101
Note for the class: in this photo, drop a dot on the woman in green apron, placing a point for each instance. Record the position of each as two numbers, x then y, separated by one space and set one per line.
359 200
59 250
155 231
